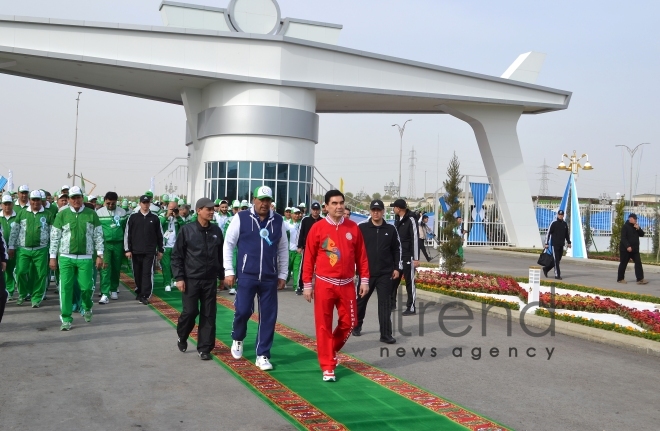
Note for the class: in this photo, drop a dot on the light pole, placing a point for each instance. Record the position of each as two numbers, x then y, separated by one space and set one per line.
632 154
401 130
75 144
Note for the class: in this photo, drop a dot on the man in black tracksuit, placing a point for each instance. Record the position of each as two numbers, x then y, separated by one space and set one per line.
406 225
305 226
197 266
143 240
629 249
558 235
381 241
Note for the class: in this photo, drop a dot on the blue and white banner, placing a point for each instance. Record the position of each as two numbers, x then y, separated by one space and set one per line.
477 232
579 247
3 181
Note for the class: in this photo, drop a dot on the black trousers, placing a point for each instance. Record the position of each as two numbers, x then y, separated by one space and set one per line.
143 271
409 274
422 248
625 257
557 253
3 294
199 299
383 287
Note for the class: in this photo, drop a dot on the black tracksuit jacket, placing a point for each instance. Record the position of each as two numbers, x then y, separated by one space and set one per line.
630 237
407 228
559 233
383 248
143 234
197 253
305 226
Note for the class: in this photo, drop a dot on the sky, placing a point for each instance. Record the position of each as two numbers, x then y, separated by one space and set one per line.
605 52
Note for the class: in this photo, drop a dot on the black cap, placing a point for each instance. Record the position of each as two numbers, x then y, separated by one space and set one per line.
399 203
316 206
560 212
633 215
376 204
204 203
145 199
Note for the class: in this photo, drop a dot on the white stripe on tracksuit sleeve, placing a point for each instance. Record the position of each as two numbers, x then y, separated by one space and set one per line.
283 255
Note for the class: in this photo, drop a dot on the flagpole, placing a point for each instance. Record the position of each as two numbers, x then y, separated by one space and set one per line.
75 143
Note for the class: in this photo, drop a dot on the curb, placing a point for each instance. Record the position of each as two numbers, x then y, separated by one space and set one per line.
651 269
611 338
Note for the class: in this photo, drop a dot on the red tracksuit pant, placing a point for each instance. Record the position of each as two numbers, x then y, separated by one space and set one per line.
328 342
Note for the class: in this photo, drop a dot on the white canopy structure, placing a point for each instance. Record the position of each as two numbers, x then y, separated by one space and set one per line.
252 85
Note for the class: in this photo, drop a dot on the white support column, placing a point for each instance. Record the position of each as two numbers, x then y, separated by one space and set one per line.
192 104
495 130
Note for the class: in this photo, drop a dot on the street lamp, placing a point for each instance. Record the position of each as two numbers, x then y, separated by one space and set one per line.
75 143
401 130
632 154
574 163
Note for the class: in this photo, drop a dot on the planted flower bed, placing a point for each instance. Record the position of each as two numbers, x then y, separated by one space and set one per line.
649 320
483 283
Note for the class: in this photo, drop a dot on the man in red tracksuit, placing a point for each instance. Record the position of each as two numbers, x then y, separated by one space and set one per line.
333 251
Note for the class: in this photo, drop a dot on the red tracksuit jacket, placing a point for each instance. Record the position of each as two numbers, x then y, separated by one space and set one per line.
336 250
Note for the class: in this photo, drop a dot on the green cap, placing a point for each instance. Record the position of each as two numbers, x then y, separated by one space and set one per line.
149 193
165 198
263 192
216 202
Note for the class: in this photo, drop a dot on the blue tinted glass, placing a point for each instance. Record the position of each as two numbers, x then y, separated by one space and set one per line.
283 171
310 174
214 189
257 170
214 170
301 195
303 173
221 189
232 169
243 169
293 172
222 169
270 184
280 196
244 190
293 194
208 170
232 189
270 171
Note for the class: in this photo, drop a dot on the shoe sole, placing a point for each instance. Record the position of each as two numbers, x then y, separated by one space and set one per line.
235 356
329 379
265 368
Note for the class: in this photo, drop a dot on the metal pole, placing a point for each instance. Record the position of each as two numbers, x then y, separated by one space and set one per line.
75 143
401 130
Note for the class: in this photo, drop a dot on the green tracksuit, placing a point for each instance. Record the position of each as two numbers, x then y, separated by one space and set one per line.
170 232
113 224
30 234
75 237
5 224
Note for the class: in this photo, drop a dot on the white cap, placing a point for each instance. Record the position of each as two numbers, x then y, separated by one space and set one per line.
302 205
75 191
43 194
296 210
35 194
244 203
65 187
24 188
91 197
6 198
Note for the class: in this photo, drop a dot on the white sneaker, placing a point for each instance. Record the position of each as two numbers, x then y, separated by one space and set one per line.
104 300
232 291
114 295
329 376
52 278
237 349
263 363
168 288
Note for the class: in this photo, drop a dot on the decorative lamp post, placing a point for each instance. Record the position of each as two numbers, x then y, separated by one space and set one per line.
574 165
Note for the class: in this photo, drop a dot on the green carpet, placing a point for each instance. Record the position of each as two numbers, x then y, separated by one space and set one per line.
354 400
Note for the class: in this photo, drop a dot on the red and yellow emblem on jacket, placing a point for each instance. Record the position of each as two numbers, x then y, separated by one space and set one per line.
331 250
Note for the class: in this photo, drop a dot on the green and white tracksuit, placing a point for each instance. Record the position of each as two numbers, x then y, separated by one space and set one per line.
6 223
113 224
30 235
170 227
224 235
295 258
75 237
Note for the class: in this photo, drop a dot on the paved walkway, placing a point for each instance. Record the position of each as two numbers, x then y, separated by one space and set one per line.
123 371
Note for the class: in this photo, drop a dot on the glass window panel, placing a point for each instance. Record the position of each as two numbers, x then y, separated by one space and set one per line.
222 170
244 190
214 189
310 174
301 194
232 189
293 172
270 184
283 171
214 170
308 193
232 169
270 171
303 174
208 171
280 196
293 194
243 169
221 189
257 170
